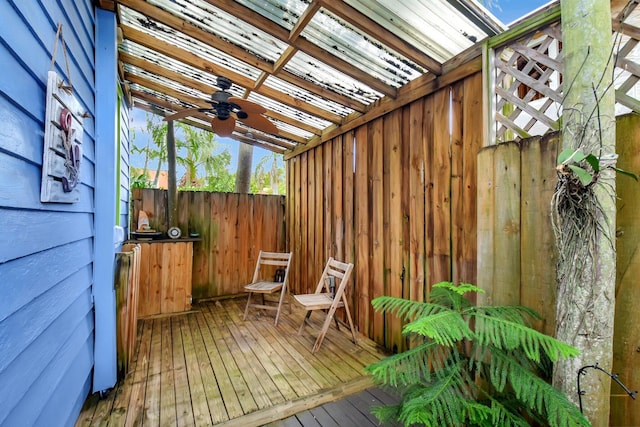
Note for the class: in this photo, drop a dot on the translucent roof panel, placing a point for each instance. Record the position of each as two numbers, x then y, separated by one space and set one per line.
288 111
311 64
164 61
166 34
308 97
328 77
440 28
225 26
283 12
342 40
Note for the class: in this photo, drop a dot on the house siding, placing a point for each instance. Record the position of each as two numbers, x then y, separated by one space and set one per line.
47 262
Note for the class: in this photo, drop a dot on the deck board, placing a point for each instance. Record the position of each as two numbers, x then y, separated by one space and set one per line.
210 367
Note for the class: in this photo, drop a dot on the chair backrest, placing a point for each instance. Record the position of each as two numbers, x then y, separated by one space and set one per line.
340 270
278 259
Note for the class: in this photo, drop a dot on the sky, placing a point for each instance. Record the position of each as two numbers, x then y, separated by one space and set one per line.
510 10
505 10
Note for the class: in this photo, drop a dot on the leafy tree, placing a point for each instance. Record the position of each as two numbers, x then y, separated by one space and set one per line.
203 153
471 365
269 174
156 149
197 151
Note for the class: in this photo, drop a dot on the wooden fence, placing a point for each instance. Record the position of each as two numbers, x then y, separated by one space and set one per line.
396 196
233 228
516 250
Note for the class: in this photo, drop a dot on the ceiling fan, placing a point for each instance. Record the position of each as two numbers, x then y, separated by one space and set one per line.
227 109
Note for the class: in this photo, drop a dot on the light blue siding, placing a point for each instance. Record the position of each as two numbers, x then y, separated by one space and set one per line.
53 256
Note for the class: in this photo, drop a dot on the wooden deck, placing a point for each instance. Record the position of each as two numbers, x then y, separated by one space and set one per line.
209 367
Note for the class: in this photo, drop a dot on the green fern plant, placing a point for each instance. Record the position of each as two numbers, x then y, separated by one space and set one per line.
471 366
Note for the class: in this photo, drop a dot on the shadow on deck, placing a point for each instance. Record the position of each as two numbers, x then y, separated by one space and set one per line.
209 367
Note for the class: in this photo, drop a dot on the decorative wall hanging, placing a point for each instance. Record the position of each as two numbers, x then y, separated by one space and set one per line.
62 154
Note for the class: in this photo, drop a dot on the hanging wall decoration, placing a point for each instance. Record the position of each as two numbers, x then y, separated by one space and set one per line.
62 154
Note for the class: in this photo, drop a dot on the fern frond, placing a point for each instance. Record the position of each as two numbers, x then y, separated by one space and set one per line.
501 415
438 403
507 334
408 367
452 296
516 313
404 309
446 327
538 395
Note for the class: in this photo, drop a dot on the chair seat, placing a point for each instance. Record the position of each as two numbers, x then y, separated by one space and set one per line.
263 287
316 301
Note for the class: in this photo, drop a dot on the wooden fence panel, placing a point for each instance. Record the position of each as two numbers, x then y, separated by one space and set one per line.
416 209
395 219
626 340
361 282
233 228
390 197
440 183
538 285
532 282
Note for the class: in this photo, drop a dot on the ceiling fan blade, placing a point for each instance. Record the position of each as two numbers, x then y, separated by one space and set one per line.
223 127
260 122
247 106
185 113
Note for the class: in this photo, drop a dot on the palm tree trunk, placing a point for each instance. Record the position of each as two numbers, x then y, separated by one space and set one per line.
243 174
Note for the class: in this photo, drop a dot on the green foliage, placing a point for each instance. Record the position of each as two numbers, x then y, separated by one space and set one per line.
205 163
139 180
574 160
471 365
269 175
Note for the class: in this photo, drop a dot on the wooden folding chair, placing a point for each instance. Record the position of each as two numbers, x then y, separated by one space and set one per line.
338 273
261 285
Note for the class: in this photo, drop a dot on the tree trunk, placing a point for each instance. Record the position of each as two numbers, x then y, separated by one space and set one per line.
587 267
243 174
172 192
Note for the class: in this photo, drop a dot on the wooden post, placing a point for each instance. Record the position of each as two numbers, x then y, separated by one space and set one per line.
173 189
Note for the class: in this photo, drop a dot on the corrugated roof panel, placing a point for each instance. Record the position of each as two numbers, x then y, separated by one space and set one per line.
157 58
435 26
284 109
307 96
162 32
327 77
341 39
283 12
292 129
225 26
159 95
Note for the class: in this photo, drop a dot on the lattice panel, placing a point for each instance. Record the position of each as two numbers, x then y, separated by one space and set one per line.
627 74
528 85
527 77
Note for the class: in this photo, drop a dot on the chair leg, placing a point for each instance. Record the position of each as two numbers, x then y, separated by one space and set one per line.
325 328
346 309
304 321
280 302
246 309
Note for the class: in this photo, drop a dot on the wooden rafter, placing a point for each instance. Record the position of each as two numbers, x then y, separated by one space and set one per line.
195 61
202 87
157 87
291 72
166 105
202 36
281 33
